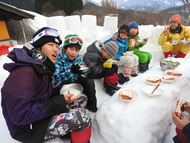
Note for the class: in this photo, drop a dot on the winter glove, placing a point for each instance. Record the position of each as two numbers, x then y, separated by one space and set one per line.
75 68
107 64
109 71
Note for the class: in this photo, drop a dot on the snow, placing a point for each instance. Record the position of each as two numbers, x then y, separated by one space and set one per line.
144 120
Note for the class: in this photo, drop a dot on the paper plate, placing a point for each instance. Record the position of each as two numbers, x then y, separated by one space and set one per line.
148 90
185 42
169 79
153 77
73 88
128 90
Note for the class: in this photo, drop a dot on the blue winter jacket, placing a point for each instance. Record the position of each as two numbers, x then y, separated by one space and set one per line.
63 73
123 46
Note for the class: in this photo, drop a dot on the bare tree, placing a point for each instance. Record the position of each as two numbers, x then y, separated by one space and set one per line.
187 3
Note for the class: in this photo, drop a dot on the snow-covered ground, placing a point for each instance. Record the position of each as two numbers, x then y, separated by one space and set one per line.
144 120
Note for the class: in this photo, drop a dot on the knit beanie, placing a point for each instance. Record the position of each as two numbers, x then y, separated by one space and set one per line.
175 18
133 25
126 27
111 48
45 39
67 42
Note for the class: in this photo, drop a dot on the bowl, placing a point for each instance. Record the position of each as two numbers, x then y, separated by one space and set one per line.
130 91
148 90
168 65
84 68
73 88
185 42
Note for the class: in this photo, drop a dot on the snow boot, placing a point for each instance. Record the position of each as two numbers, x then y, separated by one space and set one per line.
166 54
180 55
82 136
121 78
134 75
143 67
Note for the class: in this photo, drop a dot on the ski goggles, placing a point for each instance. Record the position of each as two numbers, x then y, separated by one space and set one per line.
123 31
47 32
174 19
74 40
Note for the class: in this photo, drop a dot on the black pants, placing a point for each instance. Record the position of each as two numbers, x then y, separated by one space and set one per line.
90 91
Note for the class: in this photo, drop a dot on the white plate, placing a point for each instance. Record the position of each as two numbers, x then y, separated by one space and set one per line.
167 80
148 90
185 42
73 88
134 95
128 53
173 71
84 68
154 77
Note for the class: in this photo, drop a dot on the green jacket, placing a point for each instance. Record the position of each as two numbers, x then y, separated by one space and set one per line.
137 48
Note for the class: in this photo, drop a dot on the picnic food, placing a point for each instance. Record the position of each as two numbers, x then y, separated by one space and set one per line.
126 94
179 108
173 73
168 78
153 79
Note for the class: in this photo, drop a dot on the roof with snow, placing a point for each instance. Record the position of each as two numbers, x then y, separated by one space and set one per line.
10 12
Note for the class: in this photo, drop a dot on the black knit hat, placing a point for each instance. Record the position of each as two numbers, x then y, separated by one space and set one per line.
126 27
44 39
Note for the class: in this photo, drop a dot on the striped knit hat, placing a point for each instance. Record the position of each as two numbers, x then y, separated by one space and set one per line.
111 48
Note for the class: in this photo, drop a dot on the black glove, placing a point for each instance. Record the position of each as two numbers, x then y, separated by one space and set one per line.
75 68
109 72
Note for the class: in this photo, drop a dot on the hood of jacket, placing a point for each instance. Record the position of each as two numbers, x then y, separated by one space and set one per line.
20 57
94 47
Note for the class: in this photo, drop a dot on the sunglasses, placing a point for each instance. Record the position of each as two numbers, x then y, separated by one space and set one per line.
123 31
47 32
74 40
174 19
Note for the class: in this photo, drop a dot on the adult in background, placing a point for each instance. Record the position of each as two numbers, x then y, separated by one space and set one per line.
33 110
170 38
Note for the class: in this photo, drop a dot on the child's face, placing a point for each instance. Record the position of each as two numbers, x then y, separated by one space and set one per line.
71 52
173 25
105 55
133 31
122 35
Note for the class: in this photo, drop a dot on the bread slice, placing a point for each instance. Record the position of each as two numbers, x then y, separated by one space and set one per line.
179 107
168 77
174 73
126 94
154 79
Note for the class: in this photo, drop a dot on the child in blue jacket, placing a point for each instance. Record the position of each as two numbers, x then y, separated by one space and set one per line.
128 60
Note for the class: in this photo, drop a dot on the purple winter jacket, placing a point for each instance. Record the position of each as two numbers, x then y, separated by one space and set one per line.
28 101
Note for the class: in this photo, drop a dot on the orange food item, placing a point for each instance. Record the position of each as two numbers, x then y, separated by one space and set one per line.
154 79
179 107
126 94
174 73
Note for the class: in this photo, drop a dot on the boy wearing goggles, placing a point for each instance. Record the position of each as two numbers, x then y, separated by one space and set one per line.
33 110
128 61
68 66
170 38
